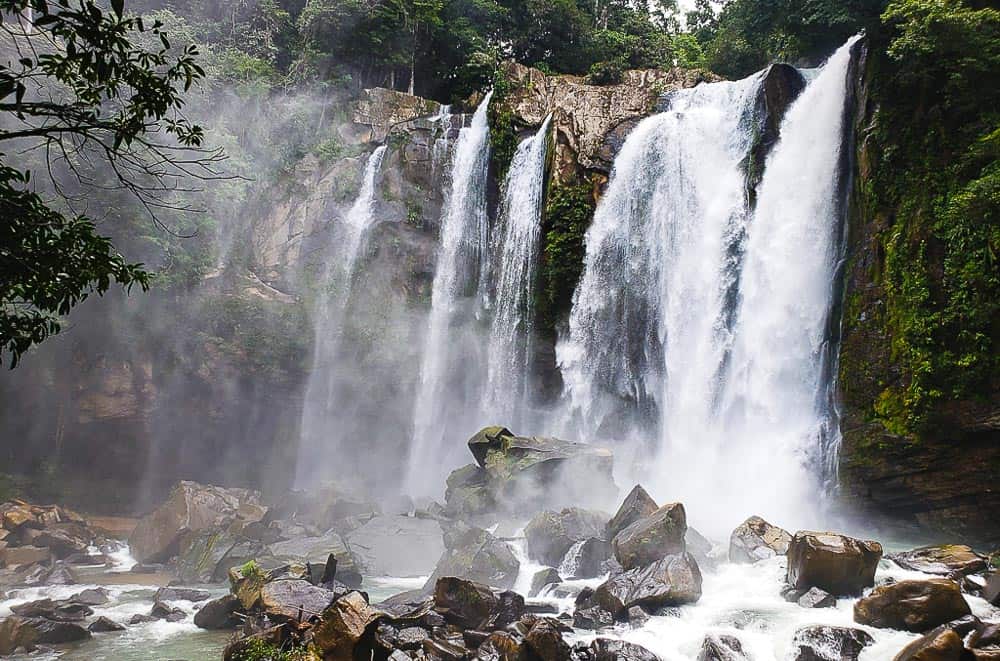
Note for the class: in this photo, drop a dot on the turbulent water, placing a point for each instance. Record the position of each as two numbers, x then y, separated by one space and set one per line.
320 411
450 343
514 261
700 324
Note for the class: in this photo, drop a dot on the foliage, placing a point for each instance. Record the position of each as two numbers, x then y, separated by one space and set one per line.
503 132
568 211
250 569
258 649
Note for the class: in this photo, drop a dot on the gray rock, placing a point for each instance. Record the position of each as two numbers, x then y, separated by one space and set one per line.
816 598
316 551
104 625
542 578
637 505
593 618
605 649
721 647
673 581
651 538
755 539
825 643
637 617
397 546
285 600
550 535
478 557
218 614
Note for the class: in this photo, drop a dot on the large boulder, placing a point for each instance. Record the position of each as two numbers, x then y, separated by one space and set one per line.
476 555
295 599
545 639
637 505
672 581
945 560
316 551
50 632
543 577
464 603
606 649
915 606
208 555
941 644
991 591
321 508
343 625
550 535
189 508
839 564
397 546
651 538
16 632
756 539
826 643
218 614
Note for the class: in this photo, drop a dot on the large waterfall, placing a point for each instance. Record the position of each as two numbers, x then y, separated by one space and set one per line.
514 260
447 386
319 413
699 325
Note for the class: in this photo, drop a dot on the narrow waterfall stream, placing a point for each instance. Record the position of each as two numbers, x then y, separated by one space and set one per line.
702 323
514 261
449 342
319 409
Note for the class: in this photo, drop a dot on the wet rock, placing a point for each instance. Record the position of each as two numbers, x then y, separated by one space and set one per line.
191 507
605 649
295 599
397 546
316 551
941 644
57 574
991 591
673 581
181 594
825 643
411 638
594 618
700 547
637 505
65 539
104 625
839 564
139 618
343 625
23 555
464 603
218 614
637 617
478 556
499 646
49 632
542 578
721 647
589 558
756 539
443 649
952 560
816 598
16 632
208 555
164 611
92 597
546 641
915 606
651 538
986 635
509 609
550 535
60 611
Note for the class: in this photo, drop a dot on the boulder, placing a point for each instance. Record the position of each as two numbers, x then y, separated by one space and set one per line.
816 598
478 556
637 505
189 508
986 635
445 650
467 492
838 564
343 625
605 649
826 643
49 632
164 611
295 599
915 606
721 647
397 546
673 581
19 556
139 618
941 644
550 535
756 539
486 439
208 555
991 591
546 641
92 597
16 632
104 625
56 574
593 618
316 551
509 609
542 578
700 547
637 617
464 603
953 560
649 539
218 614
586 559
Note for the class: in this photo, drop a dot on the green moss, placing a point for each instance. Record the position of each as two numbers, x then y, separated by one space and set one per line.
503 130
256 649
568 212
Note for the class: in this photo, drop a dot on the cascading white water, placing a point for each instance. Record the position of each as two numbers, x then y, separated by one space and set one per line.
448 345
319 426
700 328
514 260
442 126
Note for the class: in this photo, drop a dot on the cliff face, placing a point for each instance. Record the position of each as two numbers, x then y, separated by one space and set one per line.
942 476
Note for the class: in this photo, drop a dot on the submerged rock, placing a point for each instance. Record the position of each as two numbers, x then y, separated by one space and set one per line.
816 598
826 643
756 539
839 564
637 505
673 581
914 606
651 538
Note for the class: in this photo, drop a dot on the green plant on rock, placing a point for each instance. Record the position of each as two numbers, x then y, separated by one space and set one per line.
503 132
257 649
568 212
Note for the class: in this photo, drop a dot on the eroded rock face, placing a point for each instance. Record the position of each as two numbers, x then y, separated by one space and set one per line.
191 507
380 109
756 539
839 564
824 643
673 581
915 606
648 539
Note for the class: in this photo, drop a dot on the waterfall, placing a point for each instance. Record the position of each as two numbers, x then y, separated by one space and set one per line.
699 327
514 255
442 129
319 409
444 395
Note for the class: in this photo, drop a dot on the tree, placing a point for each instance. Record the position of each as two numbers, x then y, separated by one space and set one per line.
76 85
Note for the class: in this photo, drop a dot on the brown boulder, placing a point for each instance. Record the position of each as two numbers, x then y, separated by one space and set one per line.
944 560
343 625
915 606
464 603
218 613
839 564
756 539
295 599
651 538
546 641
16 632
19 556
941 644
